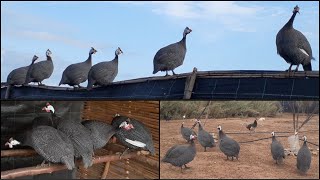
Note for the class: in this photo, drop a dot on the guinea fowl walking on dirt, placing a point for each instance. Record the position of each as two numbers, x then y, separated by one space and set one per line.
180 155
205 138
133 134
186 132
252 127
171 56
293 46
227 145
104 73
304 157
41 70
77 73
277 150
79 135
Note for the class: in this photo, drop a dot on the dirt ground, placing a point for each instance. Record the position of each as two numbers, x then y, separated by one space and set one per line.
255 159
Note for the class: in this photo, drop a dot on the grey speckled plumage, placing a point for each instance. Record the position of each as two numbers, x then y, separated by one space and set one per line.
304 157
139 133
41 70
293 46
52 144
180 155
171 56
205 138
104 73
277 150
77 73
101 132
227 145
186 132
18 76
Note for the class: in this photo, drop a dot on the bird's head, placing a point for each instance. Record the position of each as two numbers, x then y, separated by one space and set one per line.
34 58
126 125
296 9
48 53
186 31
304 138
12 142
219 128
273 134
118 51
48 108
193 136
92 51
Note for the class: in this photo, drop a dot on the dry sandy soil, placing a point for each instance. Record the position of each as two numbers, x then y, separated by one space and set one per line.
255 159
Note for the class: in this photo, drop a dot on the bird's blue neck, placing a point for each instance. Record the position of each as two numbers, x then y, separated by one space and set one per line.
289 24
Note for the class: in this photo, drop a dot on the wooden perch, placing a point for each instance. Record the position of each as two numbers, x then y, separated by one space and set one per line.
18 152
31 171
189 84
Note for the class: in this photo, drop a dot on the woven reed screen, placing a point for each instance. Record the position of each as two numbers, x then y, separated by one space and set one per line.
147 112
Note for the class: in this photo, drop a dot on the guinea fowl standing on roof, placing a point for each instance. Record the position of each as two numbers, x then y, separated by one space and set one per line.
180 155
41 70
186 132
205 138
77 73
172 56
104 73
304 157
227 145
293 46
133 133
252 126
277 150
79 135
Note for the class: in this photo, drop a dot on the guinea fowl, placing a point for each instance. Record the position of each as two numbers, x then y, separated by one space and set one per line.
101 132
304 157
180 155
77 73
172 56
252 126
50 143
104 73
227 145
277 150
205 138
79 135
41 70
132 133
186 132
293 46
18 76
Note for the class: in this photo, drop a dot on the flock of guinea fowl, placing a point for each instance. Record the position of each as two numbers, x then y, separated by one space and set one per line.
291 44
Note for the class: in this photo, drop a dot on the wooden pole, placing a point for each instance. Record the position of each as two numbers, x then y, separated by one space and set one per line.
18 152
189 84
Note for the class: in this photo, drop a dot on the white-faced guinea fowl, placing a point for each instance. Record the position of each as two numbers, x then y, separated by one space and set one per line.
293 46
18 76
186 132
133 134
172 56
104 73
101 132
277 150
205 138
77 73
252 127
304 157
227 145
53 145
180 155
79 135
41 70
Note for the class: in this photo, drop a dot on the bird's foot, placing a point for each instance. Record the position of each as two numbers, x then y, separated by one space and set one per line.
173 73
186 167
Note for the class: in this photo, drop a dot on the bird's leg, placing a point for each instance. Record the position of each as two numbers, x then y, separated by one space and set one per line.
123 152
173 72
289 70
237 157
232 158
181 169
205 149
227 157
186 167
166 74
297 68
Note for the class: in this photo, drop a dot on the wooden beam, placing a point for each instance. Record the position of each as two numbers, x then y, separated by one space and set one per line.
189 84
18 152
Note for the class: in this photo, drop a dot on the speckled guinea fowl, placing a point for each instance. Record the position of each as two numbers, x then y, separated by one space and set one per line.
101 132
172 56
77 73
304 157
205 138
104 73
186 132
50 143
277 150
227 145
18 76
180 155
79 135
293 46
41 70
133 133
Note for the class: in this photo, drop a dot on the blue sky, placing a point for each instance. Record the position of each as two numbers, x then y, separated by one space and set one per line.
225 35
